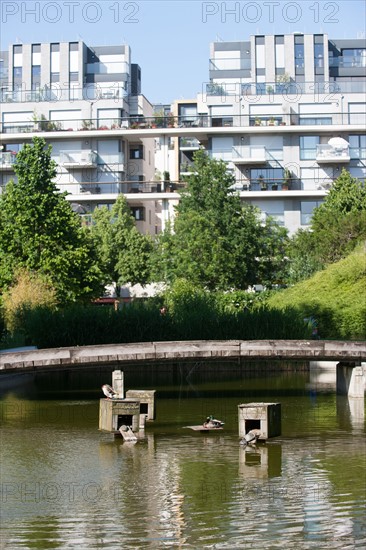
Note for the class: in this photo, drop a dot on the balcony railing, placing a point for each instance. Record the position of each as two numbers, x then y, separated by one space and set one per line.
348 61
150 123
111 159
56 93
249 155
82 158
7 160
326 153
189 143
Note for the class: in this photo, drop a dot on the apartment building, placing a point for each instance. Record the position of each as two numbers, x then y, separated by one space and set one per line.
81 99
285 112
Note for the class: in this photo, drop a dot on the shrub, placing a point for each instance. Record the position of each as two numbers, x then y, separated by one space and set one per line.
28 292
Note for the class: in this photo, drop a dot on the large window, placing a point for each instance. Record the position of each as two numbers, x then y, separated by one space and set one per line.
318 53
354 57
312 121
308 147
36 77
357 147
307 211
299 55
263 178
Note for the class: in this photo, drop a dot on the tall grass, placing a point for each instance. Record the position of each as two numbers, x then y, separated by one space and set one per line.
80 326
336 297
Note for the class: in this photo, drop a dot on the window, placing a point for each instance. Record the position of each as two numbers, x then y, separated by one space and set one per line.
279 53
357 147
262 178
318 56
55 77
138 212
308 147
136 152
17 72
354 57
299 55
304 121
36 76
307 211
74 77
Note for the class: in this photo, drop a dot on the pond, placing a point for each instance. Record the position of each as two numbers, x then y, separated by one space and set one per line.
64 484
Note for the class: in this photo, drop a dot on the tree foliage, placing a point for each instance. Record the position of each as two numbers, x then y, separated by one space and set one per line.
123 252
40 232
335 297
217 242
29 291
336 228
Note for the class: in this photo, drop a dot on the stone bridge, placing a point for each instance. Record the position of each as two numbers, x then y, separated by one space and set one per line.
352 353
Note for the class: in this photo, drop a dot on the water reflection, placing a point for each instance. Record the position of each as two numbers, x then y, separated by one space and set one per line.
64 484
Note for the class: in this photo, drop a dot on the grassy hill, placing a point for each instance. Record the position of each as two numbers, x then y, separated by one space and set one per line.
336 297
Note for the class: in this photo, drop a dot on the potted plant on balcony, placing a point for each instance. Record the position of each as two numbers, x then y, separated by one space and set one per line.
274 186
262 183
171 120
159 119
87 124
287 178
271 121
257 121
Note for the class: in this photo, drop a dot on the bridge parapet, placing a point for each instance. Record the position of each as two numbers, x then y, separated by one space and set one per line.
253 350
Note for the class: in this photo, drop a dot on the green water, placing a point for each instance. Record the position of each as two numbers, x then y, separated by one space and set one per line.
64 484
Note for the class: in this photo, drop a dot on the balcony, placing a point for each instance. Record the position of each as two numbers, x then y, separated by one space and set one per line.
7 160
189 144
328 154
112 159
249 155
348 61
55 92
78 159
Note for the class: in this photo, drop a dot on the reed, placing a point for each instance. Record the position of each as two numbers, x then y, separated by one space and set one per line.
79 326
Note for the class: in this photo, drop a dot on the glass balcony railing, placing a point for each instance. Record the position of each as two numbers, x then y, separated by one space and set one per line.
111 158
7 160
56 93
328 153
348 61
189 143
229 64
81 158
121 67
295 89
249 155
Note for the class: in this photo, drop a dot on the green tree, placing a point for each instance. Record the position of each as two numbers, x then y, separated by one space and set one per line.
337 226
123 252
217 242
340 222
40 232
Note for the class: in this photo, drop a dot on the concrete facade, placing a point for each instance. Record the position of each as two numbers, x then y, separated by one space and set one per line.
269 108
80 98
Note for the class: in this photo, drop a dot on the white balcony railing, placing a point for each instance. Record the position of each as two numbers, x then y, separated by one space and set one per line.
83 158
326 153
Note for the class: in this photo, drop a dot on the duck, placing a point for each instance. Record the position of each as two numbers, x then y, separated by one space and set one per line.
108 391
